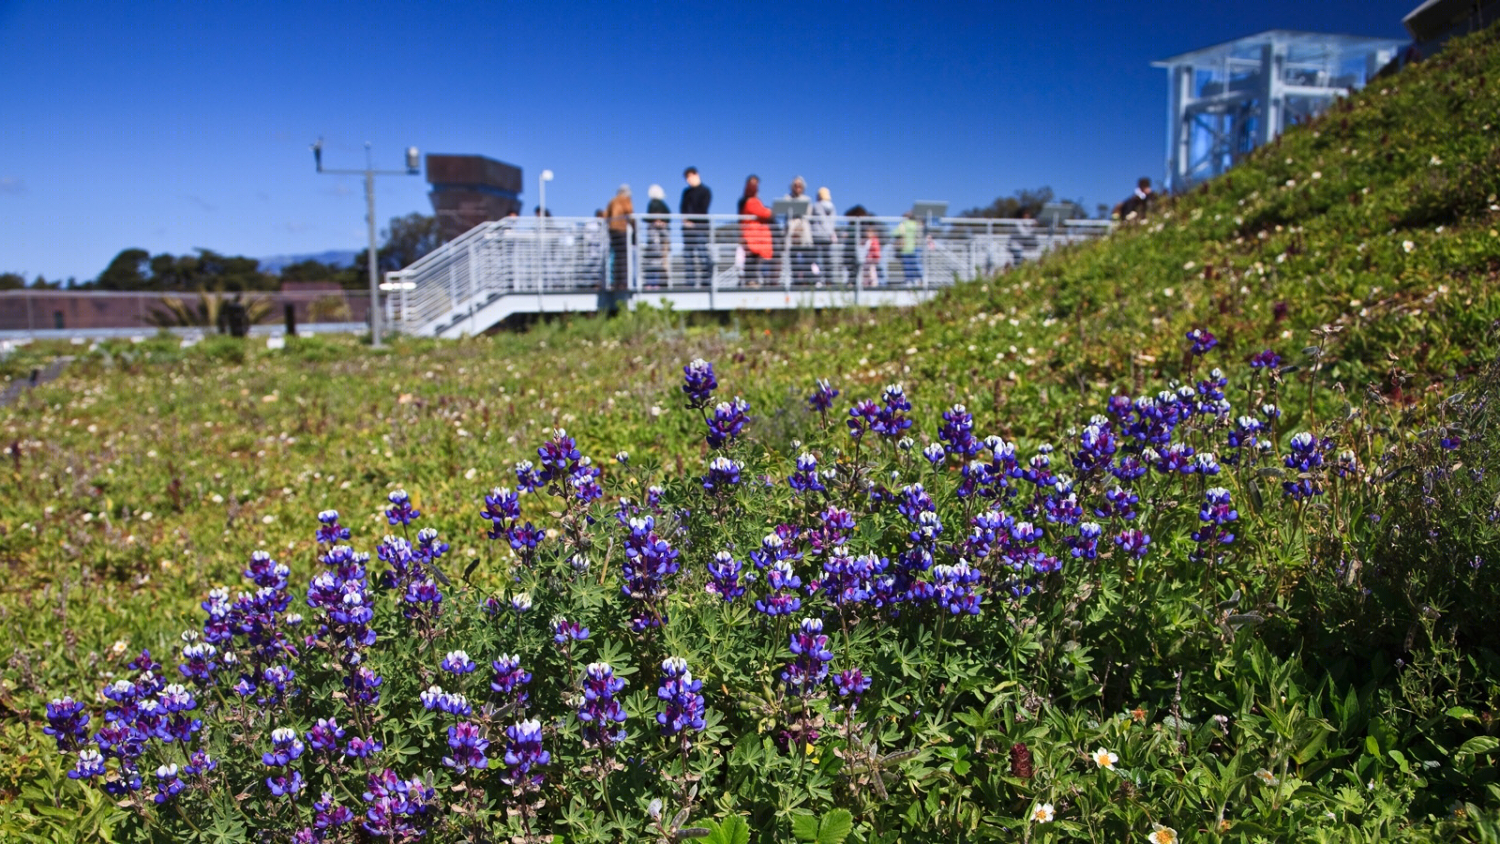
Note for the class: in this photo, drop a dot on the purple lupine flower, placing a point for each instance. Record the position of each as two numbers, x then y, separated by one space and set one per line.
680 692
466 747
501 510
822 397
1127 468
362 688
200 764
891 421
198 663
935 453
863 416
1133 542
584 482
1266 359
1269 411
851 685
1450 442
324 736
361 748
851 580
285 748
699 383
1305 458
782 598
649 561
401 512
724 576
1096 448
805 478
168 784
1118 503
809 665
528 479
1202 341
510 680
452 703
1346 464
1217 512
727 421
559 456
835 525
565 631
955 587
723 475
777 545
600 711
458 662
67 723
422 598
1085 546
523 753
330 532
90 764
329 815
397 809
957 432
1241 435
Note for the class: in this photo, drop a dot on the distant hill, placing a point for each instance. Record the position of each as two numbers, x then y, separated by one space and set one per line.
336 257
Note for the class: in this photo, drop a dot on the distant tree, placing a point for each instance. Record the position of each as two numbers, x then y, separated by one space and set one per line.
126 272
12 281
135 269
406 239
310 270
1010 207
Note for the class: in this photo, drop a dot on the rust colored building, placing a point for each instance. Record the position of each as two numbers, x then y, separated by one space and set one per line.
470 189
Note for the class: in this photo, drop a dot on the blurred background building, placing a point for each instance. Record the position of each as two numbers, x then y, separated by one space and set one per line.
471 189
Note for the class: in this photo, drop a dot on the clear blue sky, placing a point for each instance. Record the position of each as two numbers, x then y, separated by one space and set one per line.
170 126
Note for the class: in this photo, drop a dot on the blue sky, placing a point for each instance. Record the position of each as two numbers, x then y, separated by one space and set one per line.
170 126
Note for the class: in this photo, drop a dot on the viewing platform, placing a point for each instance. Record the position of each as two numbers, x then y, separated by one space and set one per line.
530 265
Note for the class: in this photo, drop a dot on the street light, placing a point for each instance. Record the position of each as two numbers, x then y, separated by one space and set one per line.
413 160
542 189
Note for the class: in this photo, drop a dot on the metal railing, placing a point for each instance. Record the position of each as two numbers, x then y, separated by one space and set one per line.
526 256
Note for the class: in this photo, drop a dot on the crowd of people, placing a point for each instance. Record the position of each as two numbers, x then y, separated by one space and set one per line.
815 245
807 236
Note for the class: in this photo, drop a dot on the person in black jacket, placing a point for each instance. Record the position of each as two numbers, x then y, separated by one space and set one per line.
1139 202
698 264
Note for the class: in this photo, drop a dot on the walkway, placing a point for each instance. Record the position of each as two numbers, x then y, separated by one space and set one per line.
571 265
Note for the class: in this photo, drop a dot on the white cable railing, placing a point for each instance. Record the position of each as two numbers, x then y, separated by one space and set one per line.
522 257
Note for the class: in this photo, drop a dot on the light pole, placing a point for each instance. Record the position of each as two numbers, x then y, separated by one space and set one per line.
542 181
413 158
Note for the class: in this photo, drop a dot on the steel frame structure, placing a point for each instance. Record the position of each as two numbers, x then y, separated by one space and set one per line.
1226 100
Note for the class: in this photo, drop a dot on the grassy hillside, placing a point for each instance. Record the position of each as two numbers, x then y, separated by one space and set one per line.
1362 247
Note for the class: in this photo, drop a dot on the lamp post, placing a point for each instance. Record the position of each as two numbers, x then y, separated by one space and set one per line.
413 159
542 181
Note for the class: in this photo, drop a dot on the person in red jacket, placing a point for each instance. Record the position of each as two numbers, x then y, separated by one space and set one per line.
755 233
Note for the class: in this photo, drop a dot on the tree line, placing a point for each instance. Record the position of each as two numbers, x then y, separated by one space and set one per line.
404 240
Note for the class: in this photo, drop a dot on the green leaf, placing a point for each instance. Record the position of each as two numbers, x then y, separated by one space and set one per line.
731 830
1478 745
836 826
1462 714
805 827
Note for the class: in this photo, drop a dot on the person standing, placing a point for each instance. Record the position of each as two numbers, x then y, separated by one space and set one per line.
658 253
617 216
824 234
755 233
908 231
799 238
698 264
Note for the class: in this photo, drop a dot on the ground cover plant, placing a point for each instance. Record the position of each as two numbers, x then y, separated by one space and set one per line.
1324 674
